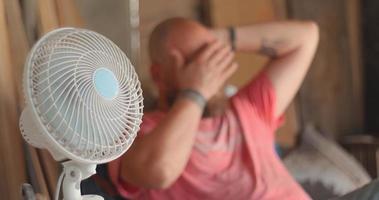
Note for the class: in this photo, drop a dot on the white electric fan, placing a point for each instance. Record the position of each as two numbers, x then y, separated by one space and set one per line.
83 103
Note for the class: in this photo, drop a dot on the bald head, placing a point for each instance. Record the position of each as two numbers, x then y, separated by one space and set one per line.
186 38
184 35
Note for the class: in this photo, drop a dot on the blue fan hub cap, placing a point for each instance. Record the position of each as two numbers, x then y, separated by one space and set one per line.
106 83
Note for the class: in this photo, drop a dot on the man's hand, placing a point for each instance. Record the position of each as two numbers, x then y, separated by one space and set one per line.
208 70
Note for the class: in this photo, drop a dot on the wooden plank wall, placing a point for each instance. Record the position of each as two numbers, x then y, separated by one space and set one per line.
371 60
331 96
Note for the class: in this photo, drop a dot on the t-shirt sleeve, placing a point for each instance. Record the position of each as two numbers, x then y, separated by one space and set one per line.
261 96
149 122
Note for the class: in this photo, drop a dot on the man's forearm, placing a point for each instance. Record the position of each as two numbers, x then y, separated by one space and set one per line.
271 39
162 154
290 44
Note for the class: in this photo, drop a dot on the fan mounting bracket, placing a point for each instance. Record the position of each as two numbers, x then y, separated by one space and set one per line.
74 173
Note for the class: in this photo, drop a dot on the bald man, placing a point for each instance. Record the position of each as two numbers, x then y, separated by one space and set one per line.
199 144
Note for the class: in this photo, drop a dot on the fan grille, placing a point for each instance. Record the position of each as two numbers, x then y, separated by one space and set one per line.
61 85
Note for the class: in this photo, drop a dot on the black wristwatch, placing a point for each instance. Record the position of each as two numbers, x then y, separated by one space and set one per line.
232 37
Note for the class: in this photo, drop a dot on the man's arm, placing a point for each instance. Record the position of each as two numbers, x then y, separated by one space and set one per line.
291 46
158 158
154 160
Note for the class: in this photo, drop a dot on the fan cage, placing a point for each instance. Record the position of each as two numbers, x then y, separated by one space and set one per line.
59 89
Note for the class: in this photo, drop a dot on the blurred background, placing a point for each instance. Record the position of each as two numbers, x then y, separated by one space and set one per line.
329 141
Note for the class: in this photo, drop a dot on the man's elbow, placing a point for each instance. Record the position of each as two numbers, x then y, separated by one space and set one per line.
312 30
162 178
151 176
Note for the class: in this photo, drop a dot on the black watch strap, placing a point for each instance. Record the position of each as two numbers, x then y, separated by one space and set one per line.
232 37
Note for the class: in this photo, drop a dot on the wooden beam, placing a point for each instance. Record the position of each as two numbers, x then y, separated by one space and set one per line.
331 94
68 14
30 18
18 43
12 169
354 33
48 16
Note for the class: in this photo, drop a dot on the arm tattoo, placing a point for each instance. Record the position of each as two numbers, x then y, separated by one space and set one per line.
268 48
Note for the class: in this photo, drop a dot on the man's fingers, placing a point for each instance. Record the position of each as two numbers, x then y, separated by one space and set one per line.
209 50
227 59
177 58
229 71
223 63
220 55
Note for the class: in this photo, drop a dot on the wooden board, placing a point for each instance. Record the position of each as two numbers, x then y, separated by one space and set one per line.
68 14
47 16
331 96
12 169
370 31
354 29
18 43
50 169
30 18
36 174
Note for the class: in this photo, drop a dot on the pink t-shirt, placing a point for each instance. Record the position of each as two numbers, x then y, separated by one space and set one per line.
233 156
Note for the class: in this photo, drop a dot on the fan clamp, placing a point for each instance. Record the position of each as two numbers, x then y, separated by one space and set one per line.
73 173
